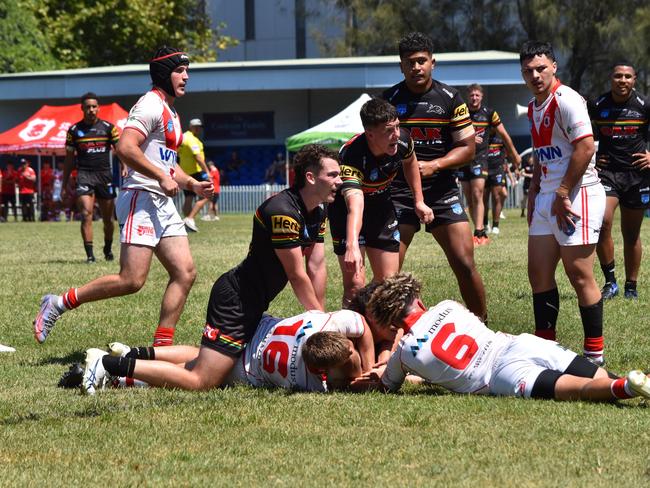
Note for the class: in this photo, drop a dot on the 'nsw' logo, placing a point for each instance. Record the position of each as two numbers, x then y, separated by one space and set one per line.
167 155
548 153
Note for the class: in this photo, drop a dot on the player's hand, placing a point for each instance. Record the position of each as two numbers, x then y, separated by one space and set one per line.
564 214
424 213
602 161
124 171
641 161
427 168
353 260
477 139
169 186
203 189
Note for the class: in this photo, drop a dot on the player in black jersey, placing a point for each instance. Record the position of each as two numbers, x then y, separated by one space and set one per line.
90 140
362 217
486 122
438 120
287 246
495 184
620 118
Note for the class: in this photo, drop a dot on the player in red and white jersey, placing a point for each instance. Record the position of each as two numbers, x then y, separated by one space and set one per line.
149 221
449 346
275 355
313 351
566 201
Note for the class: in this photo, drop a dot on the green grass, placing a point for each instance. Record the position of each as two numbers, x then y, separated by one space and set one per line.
420 437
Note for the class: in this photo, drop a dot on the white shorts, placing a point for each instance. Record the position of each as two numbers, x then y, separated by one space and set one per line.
147 217
587 201
521 362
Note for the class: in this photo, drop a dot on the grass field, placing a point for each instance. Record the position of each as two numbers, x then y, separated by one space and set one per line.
420 437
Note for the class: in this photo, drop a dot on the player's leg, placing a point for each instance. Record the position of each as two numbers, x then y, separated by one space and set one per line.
605 249
406 234
478 208
174 254
197 207
456 242
187 203
383 263
543 256
86 204
631 220
107 209
467 192
497 206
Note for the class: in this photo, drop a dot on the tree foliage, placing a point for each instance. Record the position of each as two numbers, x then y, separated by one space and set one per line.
82 33
24 45
588 36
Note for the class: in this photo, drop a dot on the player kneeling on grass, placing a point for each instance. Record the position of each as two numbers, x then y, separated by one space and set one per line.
449 346
314 351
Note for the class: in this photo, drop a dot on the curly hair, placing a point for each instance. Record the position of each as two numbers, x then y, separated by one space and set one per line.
359 301
324 350
310 158
415 42
390 302
376 112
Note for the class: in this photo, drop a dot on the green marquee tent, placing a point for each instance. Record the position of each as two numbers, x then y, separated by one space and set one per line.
335 131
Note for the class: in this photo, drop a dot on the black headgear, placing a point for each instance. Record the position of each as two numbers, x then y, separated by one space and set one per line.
166 60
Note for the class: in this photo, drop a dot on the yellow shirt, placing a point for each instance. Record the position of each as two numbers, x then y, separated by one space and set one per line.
190 147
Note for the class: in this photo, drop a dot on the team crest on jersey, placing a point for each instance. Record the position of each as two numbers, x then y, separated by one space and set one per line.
645 198
547 121
401 108
457 208
374 174
604 113
170 125
283 224
80 133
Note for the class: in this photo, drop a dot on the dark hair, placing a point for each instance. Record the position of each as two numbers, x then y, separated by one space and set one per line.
360 300
530 49
474 86
89 96
310 158
414 42
623 62
377 111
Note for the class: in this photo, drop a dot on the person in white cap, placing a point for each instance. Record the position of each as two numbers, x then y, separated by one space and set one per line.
191 159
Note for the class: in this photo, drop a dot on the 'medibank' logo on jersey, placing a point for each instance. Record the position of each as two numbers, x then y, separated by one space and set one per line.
283 224
548 153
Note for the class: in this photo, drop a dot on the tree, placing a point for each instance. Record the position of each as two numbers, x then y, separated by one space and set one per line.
24 45
114 32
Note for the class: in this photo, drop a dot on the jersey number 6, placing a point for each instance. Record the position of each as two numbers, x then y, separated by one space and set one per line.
450 355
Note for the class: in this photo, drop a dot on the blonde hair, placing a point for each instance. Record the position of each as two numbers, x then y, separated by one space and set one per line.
324 350
391 300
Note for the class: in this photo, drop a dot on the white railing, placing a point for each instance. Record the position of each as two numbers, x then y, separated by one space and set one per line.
239 198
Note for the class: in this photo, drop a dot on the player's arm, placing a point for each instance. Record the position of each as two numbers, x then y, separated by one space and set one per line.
204 189
412 175
534 188
68 166
513 155
354 201
200 160
303 288
366 347
317 270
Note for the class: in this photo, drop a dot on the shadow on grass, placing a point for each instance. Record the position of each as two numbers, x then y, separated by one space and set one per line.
73 357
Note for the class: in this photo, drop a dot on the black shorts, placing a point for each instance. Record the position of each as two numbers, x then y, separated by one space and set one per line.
231 319
632 188
26 198
442 196
200 176
8 199
98 183
379 229
473 171
496 179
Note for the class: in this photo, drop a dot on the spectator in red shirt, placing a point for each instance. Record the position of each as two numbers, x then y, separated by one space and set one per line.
26 189
47 182
8 192
213 210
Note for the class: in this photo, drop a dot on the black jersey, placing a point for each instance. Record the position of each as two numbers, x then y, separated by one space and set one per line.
496 155
281 222
484 119
371 174
92 144
431 119
621 128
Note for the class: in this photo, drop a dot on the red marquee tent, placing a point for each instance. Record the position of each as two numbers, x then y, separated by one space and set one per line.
44 132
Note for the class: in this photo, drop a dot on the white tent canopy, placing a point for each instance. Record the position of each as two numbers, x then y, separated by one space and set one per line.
335 131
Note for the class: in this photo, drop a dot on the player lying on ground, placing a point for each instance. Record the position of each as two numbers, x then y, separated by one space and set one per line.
449 346
293 353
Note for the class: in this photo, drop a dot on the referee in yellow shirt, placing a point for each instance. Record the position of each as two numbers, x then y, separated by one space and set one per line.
192 160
